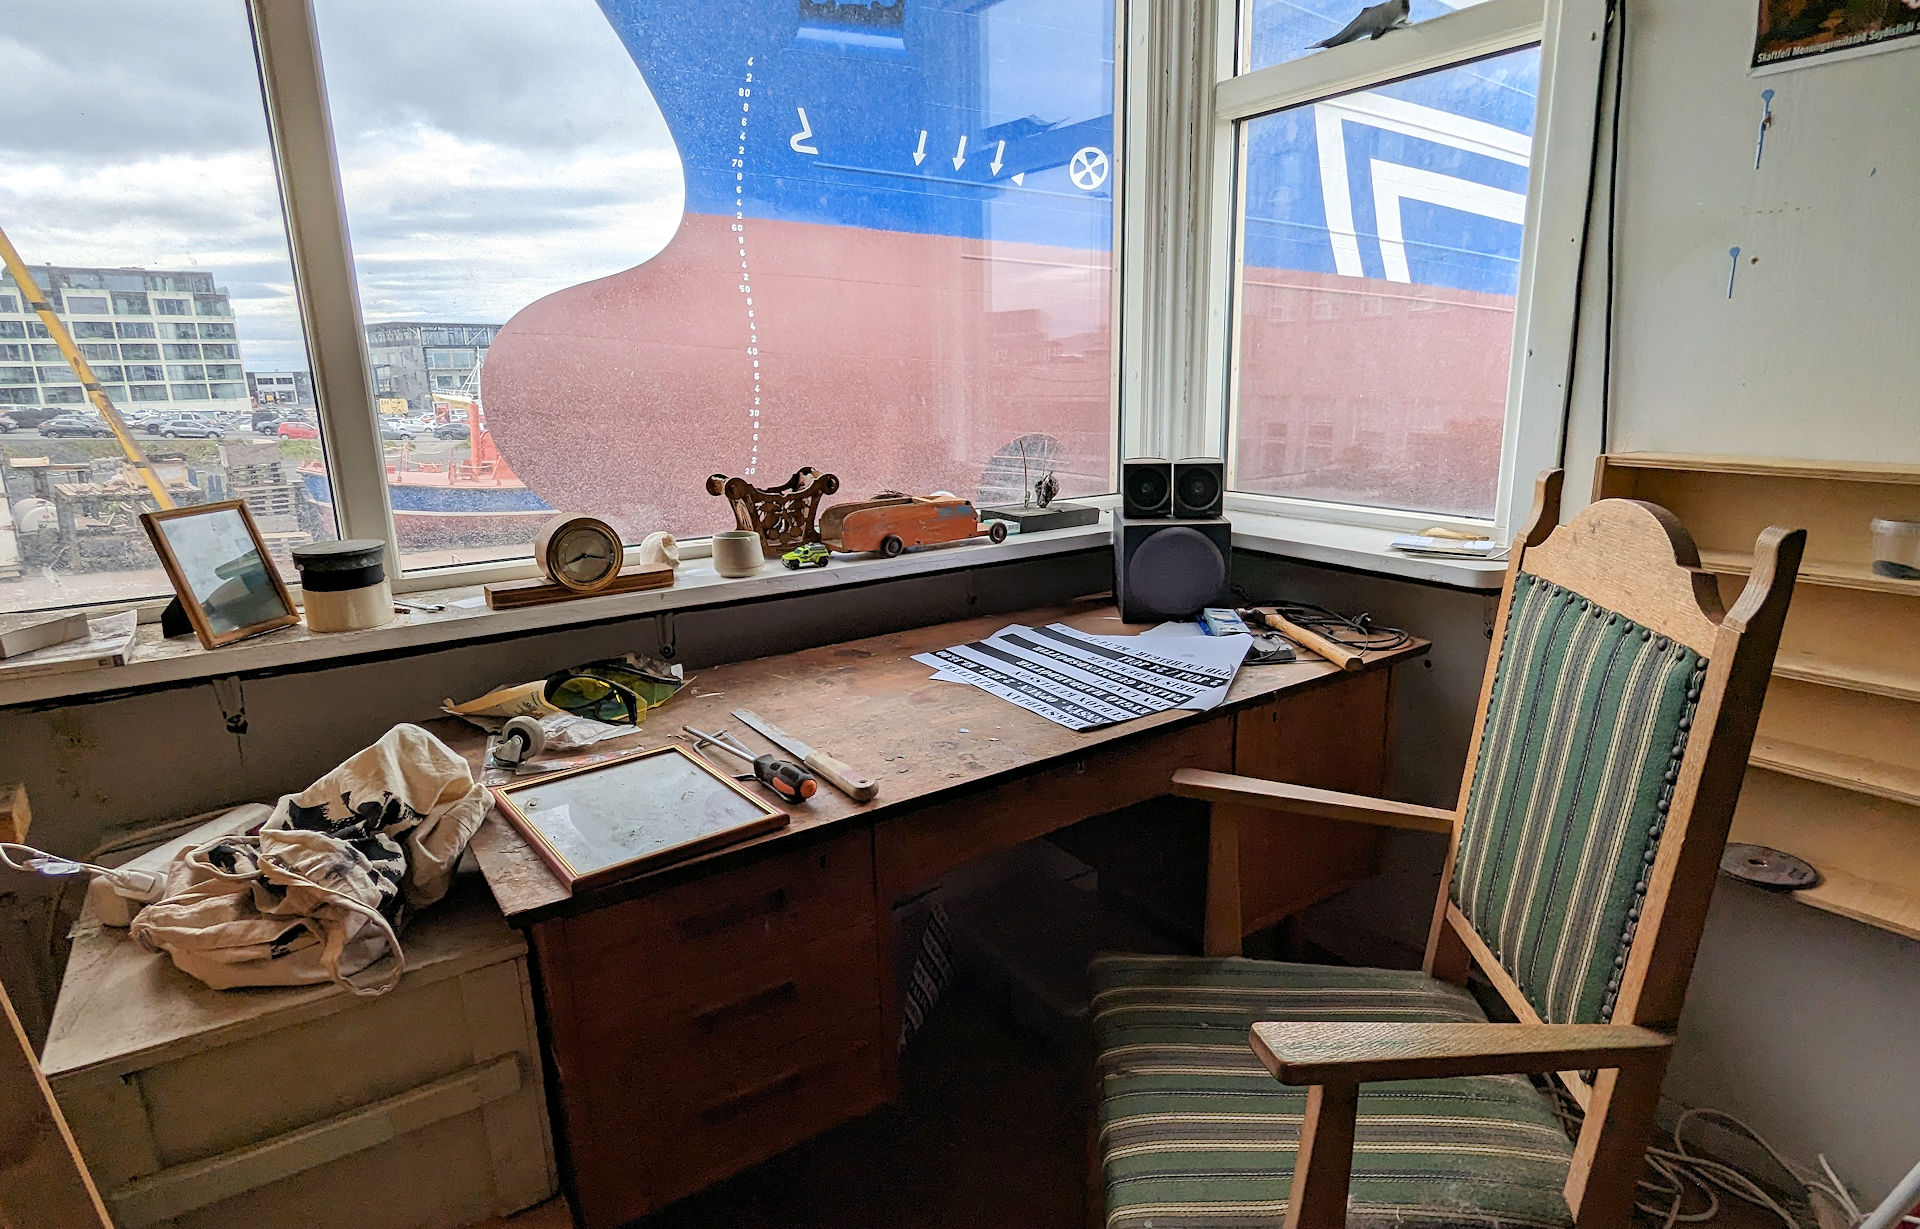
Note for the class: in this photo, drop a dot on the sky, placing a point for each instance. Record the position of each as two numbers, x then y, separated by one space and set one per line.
491 152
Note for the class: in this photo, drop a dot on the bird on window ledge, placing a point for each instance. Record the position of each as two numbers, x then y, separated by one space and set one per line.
1372 22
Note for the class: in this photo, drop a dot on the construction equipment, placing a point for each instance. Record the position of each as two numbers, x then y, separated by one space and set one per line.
57 329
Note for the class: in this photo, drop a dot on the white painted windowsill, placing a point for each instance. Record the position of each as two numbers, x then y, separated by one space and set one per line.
159 662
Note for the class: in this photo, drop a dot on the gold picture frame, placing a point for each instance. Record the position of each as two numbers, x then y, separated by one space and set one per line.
608 821
220 570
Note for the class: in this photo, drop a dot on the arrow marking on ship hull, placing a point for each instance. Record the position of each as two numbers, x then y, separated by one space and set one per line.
1020 179
999 156
960 158
920 155
799 141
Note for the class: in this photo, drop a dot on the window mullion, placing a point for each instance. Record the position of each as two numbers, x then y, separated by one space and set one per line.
303 149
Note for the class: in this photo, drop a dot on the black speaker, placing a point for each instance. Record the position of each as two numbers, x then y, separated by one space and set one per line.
1171 569
1146 488
1199 489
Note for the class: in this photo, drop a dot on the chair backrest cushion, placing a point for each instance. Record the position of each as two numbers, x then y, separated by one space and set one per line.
1582 744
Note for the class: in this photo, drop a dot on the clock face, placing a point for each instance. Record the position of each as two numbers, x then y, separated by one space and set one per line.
583 554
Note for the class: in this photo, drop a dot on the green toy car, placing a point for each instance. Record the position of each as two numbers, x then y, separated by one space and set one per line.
811 555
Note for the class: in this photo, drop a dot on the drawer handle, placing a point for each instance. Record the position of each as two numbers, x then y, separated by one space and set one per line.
733 914
743 1102
757 1003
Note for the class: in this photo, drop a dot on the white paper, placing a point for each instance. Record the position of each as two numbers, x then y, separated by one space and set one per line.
1085 681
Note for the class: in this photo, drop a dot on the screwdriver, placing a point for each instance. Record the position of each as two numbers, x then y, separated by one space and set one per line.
784 777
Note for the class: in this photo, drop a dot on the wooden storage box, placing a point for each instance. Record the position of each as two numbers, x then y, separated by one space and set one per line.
209 1109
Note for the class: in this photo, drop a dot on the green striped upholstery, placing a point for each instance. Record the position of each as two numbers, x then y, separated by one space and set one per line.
1195 1132
1579 753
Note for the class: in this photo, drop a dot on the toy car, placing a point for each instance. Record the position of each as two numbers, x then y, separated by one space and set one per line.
809 555
893 524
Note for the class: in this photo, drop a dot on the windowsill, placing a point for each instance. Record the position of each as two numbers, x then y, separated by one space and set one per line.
159 662
1357 548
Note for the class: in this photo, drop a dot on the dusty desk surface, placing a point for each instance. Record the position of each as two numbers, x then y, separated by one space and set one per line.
869 703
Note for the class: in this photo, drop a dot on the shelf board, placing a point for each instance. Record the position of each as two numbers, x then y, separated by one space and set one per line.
1813 572
1857 773
1770 467
1864 900
1872 678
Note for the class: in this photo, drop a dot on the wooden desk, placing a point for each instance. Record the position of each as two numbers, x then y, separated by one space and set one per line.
703 1018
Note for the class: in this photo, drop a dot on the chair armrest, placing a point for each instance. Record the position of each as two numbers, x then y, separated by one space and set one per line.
1305 800
1349 1054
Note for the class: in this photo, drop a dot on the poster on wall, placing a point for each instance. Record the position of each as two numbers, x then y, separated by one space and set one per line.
1796 32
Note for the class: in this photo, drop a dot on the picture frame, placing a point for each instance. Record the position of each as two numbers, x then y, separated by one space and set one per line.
613 820
222 576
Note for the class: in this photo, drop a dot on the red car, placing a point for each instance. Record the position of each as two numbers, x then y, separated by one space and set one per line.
298 431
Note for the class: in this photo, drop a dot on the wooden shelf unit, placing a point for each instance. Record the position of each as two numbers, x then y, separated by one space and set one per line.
1839 740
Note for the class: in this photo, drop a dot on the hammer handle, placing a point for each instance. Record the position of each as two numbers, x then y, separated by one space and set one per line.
842 776
1339 654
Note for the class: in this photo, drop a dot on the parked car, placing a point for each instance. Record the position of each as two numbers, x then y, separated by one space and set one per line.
297 431
30 417
188 429
73 424
7 424
404 431
457 430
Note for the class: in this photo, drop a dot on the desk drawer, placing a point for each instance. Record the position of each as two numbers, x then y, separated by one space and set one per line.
791 1096
687 935
699 1039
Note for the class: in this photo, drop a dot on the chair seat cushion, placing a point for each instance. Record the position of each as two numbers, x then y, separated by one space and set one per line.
1195 1131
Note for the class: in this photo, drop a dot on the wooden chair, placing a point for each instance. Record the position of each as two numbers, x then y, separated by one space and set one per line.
1613 733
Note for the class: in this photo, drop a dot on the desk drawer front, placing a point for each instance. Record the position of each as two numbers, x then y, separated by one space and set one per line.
791 1096
692 933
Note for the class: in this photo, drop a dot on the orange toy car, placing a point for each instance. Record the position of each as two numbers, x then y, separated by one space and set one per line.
892 525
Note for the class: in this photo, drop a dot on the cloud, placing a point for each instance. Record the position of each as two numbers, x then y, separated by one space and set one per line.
491 152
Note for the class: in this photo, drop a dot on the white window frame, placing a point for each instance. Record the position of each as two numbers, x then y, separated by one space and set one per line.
1178 260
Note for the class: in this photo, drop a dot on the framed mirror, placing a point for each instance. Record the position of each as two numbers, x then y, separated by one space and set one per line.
220 571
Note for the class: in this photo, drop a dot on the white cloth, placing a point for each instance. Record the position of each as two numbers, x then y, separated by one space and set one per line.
316 894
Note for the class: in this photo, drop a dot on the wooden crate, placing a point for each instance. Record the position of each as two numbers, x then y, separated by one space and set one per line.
1839 739
208 1109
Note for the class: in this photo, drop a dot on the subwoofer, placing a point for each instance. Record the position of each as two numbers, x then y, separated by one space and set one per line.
1146 488
1199 489
1165 569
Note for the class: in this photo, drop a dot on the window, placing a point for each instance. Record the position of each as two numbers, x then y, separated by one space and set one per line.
748 243
178 332
1381 252
16 375
9 303
216 332
48 353
189 392
133 145
186 371
16 396
179 351
225 371
13 328
93 351
10 353
220 351
228 392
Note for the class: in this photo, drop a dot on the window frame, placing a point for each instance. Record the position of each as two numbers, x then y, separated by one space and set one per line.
1572 36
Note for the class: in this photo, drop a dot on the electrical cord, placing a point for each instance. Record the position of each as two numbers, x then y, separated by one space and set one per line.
1681 1171
1348 631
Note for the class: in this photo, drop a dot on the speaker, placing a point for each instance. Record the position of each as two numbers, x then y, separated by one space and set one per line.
1146 488
1199 489
1166 569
